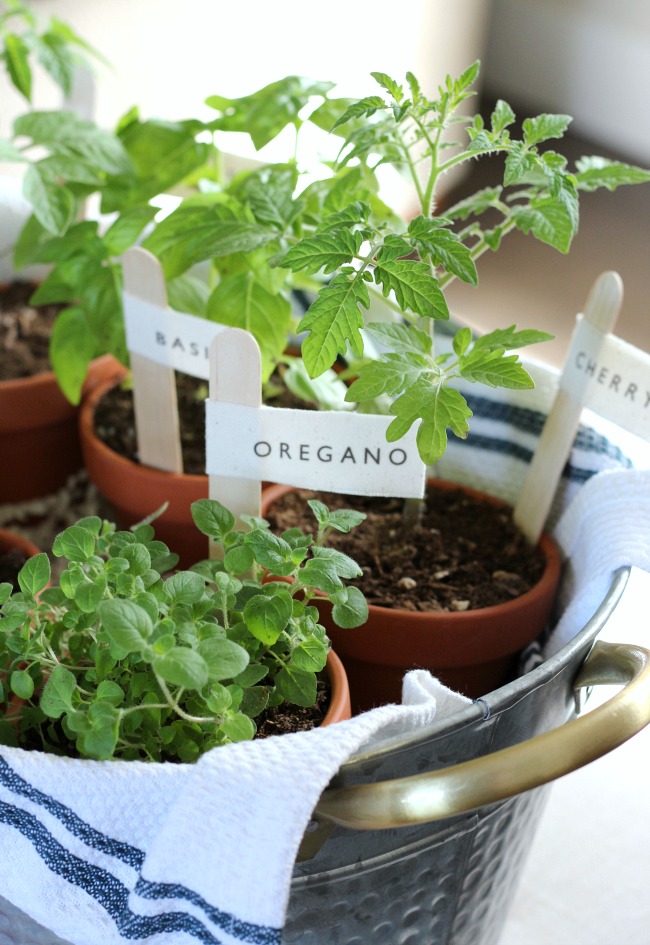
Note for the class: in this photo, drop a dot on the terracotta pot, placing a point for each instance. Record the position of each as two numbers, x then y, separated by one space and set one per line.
39 439
135 491
472 651
339 707
10 541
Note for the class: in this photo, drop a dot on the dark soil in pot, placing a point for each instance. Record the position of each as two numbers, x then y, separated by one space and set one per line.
115 422
295 718
465 554
10 564
24 332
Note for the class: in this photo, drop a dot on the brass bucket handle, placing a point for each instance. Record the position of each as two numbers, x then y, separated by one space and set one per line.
510 771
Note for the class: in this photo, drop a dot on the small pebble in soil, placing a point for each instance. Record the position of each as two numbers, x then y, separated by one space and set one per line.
459 605
407 583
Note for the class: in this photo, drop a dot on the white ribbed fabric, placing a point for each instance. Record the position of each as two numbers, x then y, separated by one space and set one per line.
606 527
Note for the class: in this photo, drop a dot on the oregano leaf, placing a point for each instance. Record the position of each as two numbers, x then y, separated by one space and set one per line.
127 625
56 697
296 685
182 666
212 518
34 574
22 684
267 617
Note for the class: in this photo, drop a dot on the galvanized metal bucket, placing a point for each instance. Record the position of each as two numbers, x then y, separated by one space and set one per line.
421 840
431 833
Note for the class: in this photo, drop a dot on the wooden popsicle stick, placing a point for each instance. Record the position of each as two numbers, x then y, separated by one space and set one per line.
236 378
532 508
81 100
154 385
82 96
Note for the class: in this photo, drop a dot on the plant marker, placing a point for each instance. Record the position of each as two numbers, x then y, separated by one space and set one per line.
154 385
236 378
601 312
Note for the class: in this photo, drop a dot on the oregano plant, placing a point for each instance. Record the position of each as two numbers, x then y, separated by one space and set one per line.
126 657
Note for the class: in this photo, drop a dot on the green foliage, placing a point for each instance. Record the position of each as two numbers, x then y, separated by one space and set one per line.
411 264
26 40
266 232
68 159
120 660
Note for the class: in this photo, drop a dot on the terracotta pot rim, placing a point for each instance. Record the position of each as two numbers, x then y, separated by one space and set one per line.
339 708
42 379
10 540
47 378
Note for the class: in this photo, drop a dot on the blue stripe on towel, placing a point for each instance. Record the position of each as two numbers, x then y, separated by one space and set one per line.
108 891
493 444
85 875
532 421
83 831
521 418
255 934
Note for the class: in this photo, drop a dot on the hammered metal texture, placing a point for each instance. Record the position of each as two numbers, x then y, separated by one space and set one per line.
487 886
17 928
454 889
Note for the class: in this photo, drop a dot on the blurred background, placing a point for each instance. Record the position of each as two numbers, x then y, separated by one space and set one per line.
585 883
586 58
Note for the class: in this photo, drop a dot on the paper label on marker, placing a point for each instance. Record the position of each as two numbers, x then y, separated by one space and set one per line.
170 338
610 377
327 450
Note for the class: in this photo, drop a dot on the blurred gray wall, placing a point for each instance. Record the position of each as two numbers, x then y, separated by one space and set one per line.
586 58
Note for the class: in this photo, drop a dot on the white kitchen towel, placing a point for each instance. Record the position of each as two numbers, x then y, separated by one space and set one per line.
105 853
605 528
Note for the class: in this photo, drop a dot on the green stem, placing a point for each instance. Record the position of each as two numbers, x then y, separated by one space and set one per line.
468 156
174 706
477 251
410 163
428 203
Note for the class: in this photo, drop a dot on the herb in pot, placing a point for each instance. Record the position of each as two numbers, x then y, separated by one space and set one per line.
122 660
